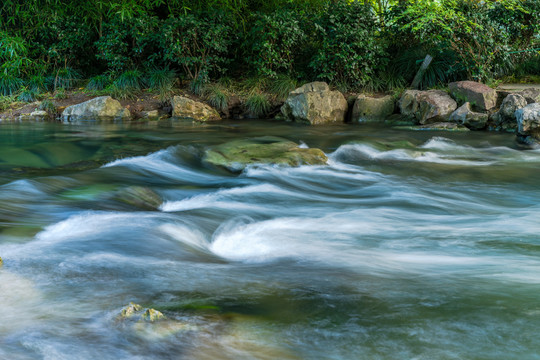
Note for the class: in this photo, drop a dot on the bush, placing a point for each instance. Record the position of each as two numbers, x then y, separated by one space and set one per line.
130 80
9 84
257 104
27 95
66 78
198 44
217 97
350 50
274 42
129 43
463 40
98 83
64 41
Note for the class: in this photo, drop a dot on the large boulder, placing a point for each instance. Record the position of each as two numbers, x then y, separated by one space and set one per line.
465 116
505 118
480 96
100 108
528 120
369 108
427 106
187 108
236 155
315 104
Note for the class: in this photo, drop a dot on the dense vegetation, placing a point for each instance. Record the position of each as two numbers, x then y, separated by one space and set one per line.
123 46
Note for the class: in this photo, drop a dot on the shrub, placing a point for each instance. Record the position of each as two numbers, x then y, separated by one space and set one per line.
64 41
350 50
130 80
9 84
281 86
98 83
27 95
217 96
48 106
38 83
257 104
198 44
274 42
129 42
463 40
66 78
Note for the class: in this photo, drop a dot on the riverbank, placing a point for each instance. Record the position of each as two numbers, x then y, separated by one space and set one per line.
463 106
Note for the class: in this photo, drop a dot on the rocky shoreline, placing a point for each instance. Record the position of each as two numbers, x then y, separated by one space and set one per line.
464 106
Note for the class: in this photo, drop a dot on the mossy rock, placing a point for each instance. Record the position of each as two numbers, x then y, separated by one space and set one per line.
1 262
236 155
139 196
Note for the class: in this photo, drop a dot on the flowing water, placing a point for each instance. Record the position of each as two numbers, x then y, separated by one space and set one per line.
408 245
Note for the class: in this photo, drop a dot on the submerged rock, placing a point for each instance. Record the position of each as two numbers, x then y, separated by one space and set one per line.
427 106
528 120
186 108
465 116
314 103
139 196
480 96
100 108
137 312
368 108
236 155
441 126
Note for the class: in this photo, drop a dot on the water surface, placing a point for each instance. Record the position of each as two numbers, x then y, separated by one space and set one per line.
408 245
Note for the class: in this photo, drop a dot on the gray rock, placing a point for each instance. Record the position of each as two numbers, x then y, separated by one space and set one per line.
100 108
465 116
528 120
427 106
480 96
368 108
315 104
152 114
505 118
187 108
532 95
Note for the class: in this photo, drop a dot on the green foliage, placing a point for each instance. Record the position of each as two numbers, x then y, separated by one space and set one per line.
350 50
198 44
66 78
274 41
6 101
27 95
258 104
129 43
98 83
160 78
217 96
38 83
60 94
459 34
9 84
131 80
123 93
281 86
48 106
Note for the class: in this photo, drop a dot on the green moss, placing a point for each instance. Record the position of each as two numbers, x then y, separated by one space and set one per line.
236 155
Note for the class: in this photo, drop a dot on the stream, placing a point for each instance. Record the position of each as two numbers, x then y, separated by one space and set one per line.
407 245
